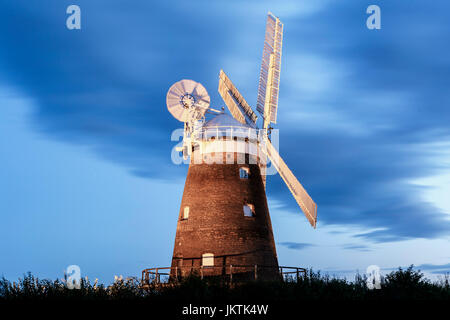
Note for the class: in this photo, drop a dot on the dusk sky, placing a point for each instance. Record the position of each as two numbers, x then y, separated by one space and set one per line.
86 176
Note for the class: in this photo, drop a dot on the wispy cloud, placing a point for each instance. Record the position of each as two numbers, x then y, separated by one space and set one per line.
296 245
358 247
435 268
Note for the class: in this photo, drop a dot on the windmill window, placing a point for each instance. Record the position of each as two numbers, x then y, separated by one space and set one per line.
249 210
208 260
186 213
244 172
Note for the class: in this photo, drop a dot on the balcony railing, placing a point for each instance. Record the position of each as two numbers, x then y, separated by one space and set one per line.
251 272
227 132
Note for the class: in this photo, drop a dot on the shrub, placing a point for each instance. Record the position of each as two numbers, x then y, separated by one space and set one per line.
402 284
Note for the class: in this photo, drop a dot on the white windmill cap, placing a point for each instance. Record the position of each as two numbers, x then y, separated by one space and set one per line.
225 125
224 120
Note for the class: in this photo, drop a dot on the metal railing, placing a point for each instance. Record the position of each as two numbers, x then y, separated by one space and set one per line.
227 132
240 272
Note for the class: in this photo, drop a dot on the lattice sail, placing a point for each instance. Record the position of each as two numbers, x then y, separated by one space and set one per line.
235 102
303 199
269 78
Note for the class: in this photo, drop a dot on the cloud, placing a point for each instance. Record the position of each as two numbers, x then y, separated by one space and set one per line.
358 247
435 268
358 142
296 245
358 109
430 268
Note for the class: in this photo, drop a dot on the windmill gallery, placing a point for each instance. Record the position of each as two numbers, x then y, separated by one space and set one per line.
224 226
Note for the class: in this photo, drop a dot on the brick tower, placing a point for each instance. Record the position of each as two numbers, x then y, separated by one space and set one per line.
224 218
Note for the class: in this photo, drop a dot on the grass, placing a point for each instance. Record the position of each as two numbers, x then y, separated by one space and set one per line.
400 285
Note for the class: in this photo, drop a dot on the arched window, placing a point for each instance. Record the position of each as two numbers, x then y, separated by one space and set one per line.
244 172
208 260
186 212
249 210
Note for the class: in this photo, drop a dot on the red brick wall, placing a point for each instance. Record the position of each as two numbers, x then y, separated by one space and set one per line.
215 195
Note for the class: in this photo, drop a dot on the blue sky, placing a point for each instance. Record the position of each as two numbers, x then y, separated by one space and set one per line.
86 176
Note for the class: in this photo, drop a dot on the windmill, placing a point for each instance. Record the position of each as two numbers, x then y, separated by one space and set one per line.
224 218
